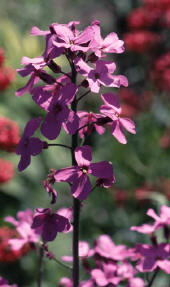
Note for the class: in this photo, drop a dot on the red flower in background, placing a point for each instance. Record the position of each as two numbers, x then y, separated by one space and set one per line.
161 72
2 57
6 253
7 76
9 134
6 171
141 41
133 102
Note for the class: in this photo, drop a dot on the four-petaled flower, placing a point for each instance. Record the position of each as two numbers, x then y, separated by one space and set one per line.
55 103
112 110
48 224
78 175
28 145
100 75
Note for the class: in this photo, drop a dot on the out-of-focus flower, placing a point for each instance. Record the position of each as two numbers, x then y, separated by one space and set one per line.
84 252
9 134
48 224
4 283
7 76
153 257
162 221
2 56
141 18
141 41
7 254
165 139
23 228
142 194
164 187
6 171
161 72
105 247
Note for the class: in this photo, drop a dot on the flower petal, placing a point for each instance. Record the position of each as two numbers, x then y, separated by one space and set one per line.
83 155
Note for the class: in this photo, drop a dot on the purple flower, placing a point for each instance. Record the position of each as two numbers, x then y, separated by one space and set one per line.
78 175
162 221
58 114
101 75
23 227
110 44
28 145
70 38
112 110
154 256
105 247
48 224
90 120
34 68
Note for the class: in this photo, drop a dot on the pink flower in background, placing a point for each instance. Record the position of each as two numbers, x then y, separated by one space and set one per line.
78 175
28 145
105 247
84 252
153 257
113 110
23 227
48 224
9 134
162 221
107 276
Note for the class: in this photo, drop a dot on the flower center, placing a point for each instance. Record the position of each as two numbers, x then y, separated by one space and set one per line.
71 42
58 108
84 169
97 76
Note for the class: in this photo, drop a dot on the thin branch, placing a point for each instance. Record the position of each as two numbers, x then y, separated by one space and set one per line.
40 266
153 277
67 75
61 145
86 125
82 96
62 264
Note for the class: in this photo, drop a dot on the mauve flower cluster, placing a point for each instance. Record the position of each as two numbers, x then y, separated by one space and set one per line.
86 51
7 75
114 264
56 92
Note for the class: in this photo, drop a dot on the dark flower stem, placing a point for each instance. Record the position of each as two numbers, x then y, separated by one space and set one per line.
76 202
40 266
153 277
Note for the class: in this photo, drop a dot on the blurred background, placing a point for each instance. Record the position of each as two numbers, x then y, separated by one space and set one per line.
141 167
